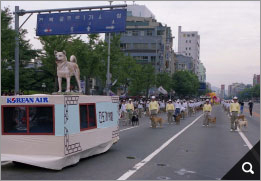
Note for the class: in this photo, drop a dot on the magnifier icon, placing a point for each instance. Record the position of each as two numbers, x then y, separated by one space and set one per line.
250 168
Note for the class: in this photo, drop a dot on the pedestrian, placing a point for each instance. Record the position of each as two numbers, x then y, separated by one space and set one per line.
170 111
123 110
162 106
250 104
147 107
241 106
130 109
140 108
234 113
182 110
153 109
177 108
207 108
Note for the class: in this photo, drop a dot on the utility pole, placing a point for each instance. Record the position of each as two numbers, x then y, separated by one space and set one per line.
156 34
108 65
16 50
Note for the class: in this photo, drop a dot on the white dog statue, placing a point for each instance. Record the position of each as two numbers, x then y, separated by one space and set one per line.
67 69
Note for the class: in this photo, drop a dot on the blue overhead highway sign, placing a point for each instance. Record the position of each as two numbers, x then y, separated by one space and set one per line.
86 22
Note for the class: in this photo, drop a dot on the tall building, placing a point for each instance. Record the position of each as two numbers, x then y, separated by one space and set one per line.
235 88
184 63
256 79
139 11
222 92
147 40
189 45
208 86
202 72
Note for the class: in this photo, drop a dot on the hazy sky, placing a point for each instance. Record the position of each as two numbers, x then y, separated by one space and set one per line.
229 31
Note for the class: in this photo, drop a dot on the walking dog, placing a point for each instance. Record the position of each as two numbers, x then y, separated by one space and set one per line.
177 118
241 121
135 120
212 120
156 121
67 69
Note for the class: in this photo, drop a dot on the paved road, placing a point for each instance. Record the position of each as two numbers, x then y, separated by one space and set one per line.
185 151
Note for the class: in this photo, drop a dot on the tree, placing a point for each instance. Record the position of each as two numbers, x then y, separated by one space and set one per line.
164 80
26 53
250 93
185 83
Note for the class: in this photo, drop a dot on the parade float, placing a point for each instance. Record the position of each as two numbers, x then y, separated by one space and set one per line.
214 98
55 131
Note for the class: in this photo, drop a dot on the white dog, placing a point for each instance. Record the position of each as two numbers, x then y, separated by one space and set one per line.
67 69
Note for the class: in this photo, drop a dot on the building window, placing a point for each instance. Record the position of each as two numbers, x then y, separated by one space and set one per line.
189 48
185 53
141 59
189 54
184 35
87 117
153 46
193 35
141 46
186 48
135 33
28 120
149 32
123 46
186 41
153 59
189 41
188 35
141 33
129 33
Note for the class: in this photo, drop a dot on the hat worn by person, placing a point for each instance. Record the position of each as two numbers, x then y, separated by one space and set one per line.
235 97
207 100
153 97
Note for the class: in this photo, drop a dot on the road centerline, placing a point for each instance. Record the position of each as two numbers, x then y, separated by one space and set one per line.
130 172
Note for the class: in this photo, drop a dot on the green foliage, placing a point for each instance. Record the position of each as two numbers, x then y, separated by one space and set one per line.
26 53
164 80
185 83
250 93
7 36
145 79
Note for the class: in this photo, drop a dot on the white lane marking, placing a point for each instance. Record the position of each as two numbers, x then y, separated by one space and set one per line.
249 145
128 128
152 155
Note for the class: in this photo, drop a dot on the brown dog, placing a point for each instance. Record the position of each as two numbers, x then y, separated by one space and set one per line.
157 120
212 120
242 117
177 119
241 121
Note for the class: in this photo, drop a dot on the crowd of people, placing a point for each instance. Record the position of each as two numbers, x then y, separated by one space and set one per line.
155 106
11 93
179 108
